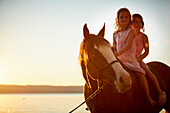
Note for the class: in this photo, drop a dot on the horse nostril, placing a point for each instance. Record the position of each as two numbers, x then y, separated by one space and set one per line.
122 80
125 80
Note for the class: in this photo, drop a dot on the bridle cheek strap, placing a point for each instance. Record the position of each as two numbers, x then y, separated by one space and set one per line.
99 70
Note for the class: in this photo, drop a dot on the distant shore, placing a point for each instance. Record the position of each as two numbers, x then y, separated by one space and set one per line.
40 89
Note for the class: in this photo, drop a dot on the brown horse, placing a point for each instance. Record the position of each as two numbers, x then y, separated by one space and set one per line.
122 92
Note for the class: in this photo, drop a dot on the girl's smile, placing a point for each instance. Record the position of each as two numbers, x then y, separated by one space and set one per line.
124 19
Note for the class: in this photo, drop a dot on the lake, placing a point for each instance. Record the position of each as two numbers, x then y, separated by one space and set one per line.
42 103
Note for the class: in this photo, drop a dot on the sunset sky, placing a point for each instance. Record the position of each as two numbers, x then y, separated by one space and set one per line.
40 39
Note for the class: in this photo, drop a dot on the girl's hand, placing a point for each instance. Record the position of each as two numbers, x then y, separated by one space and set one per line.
139 59
116 54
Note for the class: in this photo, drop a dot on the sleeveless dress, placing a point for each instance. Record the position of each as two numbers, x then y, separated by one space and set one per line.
139 45
128 58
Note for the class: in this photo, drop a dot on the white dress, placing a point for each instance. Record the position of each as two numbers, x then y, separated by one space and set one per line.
128 58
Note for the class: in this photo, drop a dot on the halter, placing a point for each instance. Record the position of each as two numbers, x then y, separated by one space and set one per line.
99 88
98 83
98 69
101 69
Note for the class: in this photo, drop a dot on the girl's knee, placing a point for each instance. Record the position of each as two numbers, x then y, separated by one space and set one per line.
140 75
143 65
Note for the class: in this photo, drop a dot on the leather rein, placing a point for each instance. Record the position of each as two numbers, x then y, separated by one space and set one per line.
98 83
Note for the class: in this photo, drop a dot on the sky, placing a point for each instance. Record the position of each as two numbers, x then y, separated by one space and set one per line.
40 39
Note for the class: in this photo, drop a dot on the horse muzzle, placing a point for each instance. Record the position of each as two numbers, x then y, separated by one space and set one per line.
123 83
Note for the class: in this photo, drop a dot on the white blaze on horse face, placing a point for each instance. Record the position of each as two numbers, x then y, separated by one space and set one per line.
123 79
95 46
106 51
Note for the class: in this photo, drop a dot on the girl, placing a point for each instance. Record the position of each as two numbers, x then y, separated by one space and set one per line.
124 48
142 44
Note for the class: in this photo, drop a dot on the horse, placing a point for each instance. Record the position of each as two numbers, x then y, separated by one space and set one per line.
122 92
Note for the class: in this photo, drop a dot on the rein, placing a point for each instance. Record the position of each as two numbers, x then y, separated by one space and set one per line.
98 84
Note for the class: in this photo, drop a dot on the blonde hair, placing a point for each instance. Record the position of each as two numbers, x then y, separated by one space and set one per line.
117 26
140 17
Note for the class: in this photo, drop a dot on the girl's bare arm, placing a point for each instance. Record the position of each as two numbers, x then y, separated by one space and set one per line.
129 41
146 47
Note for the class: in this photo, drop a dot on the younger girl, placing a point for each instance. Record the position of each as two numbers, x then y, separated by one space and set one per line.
143 44
124 48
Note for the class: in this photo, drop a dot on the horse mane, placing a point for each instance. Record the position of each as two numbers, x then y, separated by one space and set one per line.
82 53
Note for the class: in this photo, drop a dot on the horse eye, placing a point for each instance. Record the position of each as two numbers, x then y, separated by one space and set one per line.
94 53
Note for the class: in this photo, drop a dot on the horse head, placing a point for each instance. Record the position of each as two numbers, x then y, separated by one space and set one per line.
98 61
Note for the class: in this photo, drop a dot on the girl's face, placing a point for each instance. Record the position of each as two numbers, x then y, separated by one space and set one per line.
137 24
124 19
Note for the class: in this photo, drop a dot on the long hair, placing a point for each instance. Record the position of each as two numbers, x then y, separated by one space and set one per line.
117 18
140 17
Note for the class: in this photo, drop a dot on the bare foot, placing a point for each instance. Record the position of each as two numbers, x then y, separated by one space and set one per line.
162 99
152 102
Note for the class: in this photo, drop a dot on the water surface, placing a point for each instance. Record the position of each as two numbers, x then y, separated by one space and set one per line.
41 103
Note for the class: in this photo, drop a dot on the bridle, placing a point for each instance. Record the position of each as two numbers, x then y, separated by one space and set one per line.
98 83
101 69
98 68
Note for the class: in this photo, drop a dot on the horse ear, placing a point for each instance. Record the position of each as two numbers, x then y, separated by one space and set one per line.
102 31
85 31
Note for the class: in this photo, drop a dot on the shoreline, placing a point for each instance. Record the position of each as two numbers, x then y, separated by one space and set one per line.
12 89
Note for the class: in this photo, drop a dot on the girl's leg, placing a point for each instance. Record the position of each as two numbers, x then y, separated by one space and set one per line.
162 96
152 77
144 84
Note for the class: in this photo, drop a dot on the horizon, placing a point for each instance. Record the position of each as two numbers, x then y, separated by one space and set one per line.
41 85
40 39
